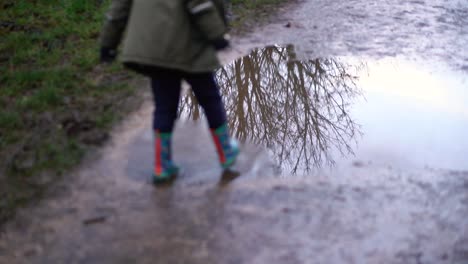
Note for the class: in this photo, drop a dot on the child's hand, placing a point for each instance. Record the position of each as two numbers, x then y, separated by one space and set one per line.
107 55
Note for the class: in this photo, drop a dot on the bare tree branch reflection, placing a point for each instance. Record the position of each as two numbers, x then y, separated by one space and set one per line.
299 110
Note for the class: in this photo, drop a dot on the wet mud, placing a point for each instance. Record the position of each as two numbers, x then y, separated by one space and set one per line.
417 30
349 155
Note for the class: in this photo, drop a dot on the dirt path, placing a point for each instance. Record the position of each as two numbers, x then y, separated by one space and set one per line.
385 204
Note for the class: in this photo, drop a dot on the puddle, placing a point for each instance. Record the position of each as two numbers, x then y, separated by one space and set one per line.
320 112
415 115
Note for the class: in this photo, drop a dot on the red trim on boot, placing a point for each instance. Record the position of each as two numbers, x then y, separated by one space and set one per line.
157 154
219 148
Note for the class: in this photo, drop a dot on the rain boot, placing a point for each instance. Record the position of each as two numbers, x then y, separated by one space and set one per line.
227 147
164 169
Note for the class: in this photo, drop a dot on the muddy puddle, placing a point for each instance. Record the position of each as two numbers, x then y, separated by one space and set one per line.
316 114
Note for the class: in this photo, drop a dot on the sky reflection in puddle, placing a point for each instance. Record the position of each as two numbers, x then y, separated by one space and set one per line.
413 116
315 113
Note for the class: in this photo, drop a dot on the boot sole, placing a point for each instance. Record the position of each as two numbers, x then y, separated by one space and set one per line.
163 179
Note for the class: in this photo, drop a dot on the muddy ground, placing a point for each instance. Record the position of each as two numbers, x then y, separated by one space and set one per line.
354 142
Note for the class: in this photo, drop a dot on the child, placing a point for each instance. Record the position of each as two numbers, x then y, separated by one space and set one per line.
171 40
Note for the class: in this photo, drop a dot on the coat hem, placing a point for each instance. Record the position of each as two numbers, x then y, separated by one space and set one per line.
169 65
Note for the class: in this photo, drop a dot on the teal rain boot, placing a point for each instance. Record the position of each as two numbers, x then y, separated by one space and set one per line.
227 147
164 169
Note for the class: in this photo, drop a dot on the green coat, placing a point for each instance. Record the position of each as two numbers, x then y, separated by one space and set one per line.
174 34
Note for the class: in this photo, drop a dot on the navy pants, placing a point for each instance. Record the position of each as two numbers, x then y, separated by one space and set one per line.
166 93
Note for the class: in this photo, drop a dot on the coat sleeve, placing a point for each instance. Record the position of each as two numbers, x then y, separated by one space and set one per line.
115 23
208 17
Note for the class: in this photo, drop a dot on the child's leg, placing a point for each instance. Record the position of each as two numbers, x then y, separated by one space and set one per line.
207 92
166 93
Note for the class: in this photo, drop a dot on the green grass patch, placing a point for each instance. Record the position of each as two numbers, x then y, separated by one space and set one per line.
9 120
50 99
254 3
251 12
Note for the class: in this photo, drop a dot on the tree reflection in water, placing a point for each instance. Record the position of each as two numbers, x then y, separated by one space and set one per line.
299 110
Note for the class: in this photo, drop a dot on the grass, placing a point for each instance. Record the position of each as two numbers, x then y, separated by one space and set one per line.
48 58
52 94
253 5
251 12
